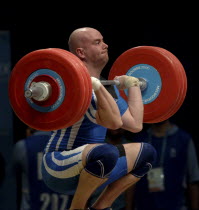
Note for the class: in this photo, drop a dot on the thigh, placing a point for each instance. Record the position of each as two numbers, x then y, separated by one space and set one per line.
61 169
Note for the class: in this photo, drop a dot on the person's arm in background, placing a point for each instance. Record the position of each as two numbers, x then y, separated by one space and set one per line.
129 198
193 194
19 158
193 178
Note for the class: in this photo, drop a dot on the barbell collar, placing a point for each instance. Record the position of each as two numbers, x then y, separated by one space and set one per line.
39 91
143 83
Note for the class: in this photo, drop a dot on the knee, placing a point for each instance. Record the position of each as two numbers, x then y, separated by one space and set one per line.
145 160
101 160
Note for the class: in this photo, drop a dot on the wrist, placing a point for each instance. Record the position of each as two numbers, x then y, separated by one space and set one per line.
96 84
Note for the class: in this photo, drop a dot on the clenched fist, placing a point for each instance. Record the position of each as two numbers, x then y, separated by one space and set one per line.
127 82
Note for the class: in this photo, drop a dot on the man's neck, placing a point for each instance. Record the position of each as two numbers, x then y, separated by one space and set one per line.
93 71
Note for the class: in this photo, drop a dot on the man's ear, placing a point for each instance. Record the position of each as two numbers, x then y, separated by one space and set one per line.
80 52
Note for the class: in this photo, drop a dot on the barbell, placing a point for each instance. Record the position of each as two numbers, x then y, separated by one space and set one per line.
51 89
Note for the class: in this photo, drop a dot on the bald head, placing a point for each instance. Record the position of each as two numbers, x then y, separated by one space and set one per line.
88 45
79 37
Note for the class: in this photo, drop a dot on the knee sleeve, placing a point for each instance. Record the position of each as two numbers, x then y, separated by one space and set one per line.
101 160
145 160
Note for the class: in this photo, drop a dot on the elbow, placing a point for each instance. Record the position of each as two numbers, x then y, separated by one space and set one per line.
112 124
115 124
136 128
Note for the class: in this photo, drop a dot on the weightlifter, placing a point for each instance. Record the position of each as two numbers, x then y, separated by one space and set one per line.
76 159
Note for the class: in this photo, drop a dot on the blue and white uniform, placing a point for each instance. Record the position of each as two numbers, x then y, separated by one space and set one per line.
62 161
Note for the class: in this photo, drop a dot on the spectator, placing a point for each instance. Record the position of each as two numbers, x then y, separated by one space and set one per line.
172 184
32 193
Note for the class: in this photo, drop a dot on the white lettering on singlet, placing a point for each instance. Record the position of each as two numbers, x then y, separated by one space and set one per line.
55 201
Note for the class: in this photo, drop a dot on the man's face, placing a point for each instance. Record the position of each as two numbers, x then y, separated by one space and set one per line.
95 49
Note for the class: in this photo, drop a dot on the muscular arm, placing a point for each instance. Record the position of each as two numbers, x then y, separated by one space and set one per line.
107 114
133 117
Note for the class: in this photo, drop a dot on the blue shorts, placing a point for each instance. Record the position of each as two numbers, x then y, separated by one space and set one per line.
61 170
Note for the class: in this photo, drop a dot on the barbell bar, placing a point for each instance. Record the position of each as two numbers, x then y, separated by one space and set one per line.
142 83
41 91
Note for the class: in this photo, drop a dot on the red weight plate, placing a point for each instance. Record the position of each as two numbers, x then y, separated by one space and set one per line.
165 64
80 110
78 114
68 71
87 87
182 84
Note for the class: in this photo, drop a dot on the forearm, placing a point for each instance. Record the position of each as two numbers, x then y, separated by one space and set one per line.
133 118
136 106
107 114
